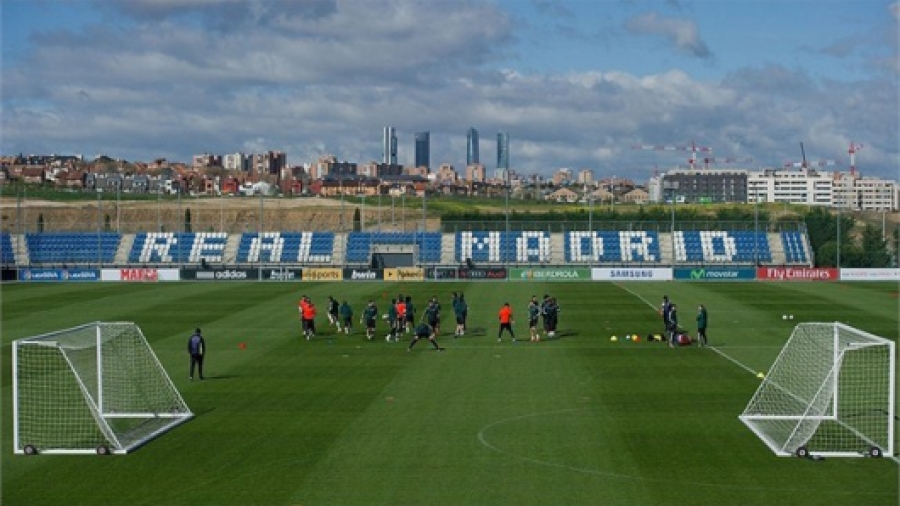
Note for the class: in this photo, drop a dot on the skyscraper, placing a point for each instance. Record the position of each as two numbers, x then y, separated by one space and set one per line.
472 147
389 146
423 149
503 152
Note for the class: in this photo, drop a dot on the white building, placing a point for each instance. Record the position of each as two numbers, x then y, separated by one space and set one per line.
801 186
852 191
236 161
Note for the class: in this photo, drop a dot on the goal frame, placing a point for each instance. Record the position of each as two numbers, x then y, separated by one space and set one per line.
114 445
831 382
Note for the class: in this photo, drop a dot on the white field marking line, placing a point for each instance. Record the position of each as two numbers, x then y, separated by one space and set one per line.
621 476
713 348
722 354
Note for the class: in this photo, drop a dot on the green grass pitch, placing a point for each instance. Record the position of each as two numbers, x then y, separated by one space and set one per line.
342 420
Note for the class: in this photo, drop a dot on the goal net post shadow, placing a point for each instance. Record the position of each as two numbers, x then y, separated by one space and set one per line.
95 388
830 392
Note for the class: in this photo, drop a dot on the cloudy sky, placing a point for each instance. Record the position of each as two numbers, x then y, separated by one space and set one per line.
575 83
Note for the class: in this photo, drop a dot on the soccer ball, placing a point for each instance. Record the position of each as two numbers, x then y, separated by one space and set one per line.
613 338
628 337
387 338
790 317
784 317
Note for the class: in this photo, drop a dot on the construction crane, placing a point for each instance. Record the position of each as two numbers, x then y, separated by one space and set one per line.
852 151
805 163
708 161
693 148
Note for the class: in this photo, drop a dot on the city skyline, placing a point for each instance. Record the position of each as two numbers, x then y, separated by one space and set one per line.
575 84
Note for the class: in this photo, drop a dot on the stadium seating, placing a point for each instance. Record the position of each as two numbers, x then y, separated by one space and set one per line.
794 247
178 247
7 255
359 244
612 247
719 246
72 247
503 247
288 247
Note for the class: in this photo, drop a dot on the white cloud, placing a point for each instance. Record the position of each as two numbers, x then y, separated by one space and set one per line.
682 33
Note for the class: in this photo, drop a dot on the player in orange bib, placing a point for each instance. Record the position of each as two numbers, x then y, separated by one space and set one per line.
506 322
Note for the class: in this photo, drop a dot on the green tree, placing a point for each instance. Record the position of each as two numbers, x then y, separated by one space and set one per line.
874 249
40 223
187 220
357 220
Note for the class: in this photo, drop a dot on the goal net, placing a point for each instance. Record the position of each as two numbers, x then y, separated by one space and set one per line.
830 392
97 387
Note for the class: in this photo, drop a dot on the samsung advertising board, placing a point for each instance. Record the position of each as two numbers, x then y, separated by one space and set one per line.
715 274
631 274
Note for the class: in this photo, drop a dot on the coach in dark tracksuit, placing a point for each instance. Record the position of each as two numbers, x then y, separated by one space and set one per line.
196 348
673 325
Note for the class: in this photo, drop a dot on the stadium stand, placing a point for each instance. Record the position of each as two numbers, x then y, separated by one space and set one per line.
794 247
72 247
169 247
501 247
360 244
612 247
288 247
7 255
719 246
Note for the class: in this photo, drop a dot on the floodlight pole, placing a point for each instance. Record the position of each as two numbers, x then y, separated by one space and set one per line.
838 259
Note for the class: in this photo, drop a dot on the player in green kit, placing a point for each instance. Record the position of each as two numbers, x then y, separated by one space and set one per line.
370 314
346 315
534 312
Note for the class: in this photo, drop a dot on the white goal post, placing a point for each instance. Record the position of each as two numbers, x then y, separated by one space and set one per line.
95 388
830 392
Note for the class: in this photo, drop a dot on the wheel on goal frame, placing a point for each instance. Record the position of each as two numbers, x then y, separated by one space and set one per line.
802 452
30 450
103 450
875 452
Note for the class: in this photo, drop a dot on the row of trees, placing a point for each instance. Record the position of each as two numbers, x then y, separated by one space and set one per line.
836 241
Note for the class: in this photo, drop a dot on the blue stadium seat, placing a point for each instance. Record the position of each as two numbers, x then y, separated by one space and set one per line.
719 246
286 247
503 247
71 247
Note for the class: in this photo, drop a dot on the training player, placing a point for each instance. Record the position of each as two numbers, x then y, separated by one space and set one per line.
673 325
410 315
534 311
302 308
392 321
460 308
435 319
664 311
347 316
701 325
370 314
551 316
333 313
506 322
401 317
309 317
423 331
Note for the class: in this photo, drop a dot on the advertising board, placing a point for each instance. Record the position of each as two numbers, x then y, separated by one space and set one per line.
363 274
631 274
440 273
883 274
550 274
488 273
404 274
323 274
220 274
715 274
797 274
59 275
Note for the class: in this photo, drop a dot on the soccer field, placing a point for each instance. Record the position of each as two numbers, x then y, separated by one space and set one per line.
343 420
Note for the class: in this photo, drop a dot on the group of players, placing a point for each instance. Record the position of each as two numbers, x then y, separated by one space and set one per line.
401 318
669 312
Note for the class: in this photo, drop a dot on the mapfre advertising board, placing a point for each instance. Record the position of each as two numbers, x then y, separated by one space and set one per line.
631 274
797 274
870 274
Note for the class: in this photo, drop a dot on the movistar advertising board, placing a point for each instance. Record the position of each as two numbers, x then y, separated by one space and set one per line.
715 274
550 274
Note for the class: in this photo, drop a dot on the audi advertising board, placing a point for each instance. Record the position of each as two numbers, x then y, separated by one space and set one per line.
489 273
